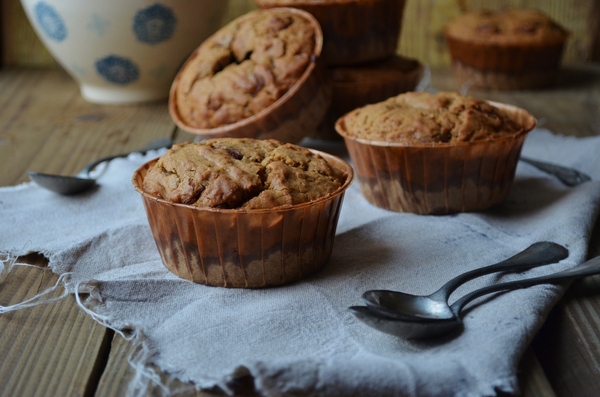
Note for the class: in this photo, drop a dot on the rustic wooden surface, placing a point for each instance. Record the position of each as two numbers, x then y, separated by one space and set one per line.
57 350
420 38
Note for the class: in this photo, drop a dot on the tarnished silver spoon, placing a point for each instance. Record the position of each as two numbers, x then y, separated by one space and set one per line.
68 185
413 307
568 176
421 329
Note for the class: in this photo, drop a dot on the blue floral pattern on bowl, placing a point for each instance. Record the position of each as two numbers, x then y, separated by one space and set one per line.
50 21
118 70
154 24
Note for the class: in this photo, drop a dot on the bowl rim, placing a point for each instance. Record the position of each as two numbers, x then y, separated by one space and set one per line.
340 163
224 129
528 122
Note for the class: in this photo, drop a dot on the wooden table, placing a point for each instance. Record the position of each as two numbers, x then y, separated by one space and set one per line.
57 350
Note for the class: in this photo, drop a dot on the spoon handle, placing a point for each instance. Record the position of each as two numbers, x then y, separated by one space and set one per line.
568 176
537 254
588 268
153 145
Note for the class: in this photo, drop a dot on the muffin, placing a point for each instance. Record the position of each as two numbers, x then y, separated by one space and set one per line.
257 77
435 153
355 31
243 212
356 86
510 49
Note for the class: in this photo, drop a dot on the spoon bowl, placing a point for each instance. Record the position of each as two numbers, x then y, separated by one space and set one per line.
62 184
421 329
405 328
70 185
435 306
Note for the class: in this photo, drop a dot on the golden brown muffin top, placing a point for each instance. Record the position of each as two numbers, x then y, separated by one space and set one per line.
510 26
245 67
426 118
241 173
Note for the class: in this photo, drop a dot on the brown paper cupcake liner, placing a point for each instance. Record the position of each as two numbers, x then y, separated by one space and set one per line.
467 77
505 67
357 86
438 178
355 31
244 249
290 118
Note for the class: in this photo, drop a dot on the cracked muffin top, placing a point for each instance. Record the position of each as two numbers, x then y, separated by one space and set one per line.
241 173
512 26
245 67
426 118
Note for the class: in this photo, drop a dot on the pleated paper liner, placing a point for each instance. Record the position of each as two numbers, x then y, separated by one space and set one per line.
504 67
245 248
355 31
438 178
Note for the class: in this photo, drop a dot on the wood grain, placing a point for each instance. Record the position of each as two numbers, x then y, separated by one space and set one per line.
117 378
533 380
36 342
57 131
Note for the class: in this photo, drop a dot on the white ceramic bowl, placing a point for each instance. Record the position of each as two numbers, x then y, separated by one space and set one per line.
123 51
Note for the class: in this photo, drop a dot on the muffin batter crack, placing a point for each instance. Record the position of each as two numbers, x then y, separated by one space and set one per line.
244 68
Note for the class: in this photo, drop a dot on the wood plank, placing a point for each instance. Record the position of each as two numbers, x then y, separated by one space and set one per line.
568 345
46 125
54 344
118 373
116 379
42 112
532 377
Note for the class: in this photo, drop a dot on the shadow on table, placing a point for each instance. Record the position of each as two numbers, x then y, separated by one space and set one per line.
571 77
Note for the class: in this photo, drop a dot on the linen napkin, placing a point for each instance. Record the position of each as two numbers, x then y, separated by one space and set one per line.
300 339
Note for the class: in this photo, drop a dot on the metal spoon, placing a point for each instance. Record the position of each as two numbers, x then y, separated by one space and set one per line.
568 176
68 185
421 329
435 306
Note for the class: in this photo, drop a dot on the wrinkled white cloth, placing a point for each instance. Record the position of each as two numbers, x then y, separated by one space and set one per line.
300 339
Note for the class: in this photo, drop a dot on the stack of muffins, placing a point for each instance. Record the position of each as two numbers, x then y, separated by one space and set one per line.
445 153
359 49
